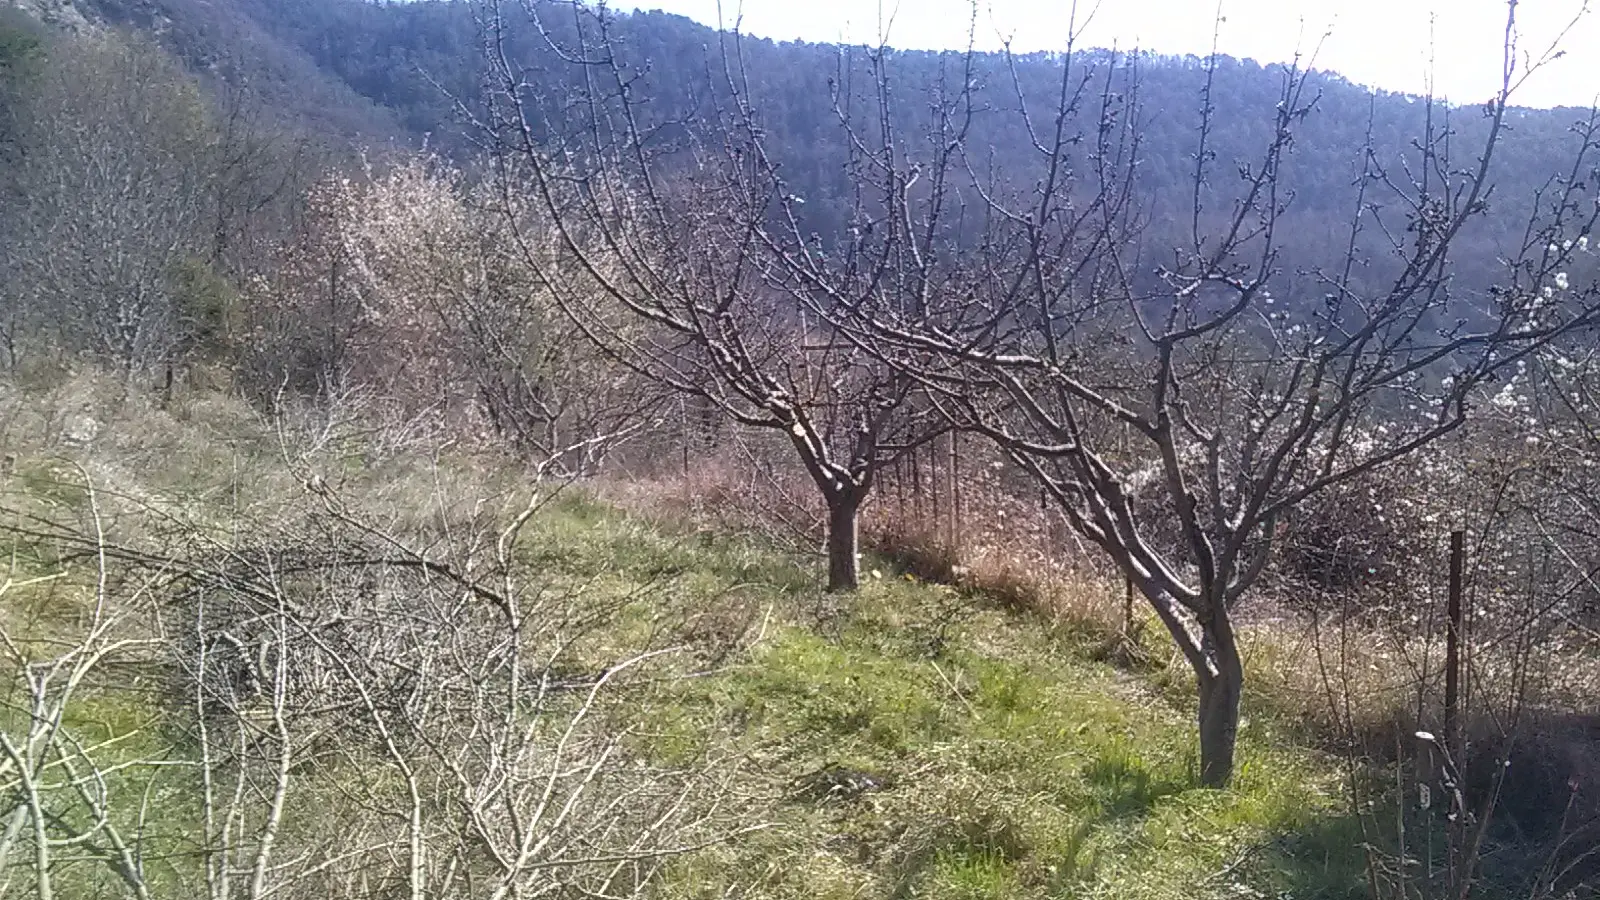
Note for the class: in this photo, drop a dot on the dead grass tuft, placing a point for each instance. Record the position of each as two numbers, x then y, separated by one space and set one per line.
738 490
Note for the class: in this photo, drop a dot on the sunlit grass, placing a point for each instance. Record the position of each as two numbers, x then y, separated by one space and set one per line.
996 763
909 741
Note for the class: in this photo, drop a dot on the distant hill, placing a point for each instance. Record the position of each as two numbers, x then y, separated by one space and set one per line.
386 72
224 42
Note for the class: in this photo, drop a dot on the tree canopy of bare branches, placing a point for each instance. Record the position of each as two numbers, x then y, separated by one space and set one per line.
1113 371
1151 385
674 242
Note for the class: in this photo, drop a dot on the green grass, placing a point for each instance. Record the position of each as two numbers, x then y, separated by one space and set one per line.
904 742
911 742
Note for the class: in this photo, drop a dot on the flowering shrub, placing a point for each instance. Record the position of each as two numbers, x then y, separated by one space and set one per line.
413 283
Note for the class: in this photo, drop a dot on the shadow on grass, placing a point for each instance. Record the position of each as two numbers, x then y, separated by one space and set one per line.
1125 787
991 849
988 855
1328 860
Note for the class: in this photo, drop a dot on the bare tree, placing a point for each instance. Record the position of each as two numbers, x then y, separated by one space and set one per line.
1190 398
260 167
1152 392
673 238
116 184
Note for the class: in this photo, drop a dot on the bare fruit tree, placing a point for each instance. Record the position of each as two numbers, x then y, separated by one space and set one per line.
1157 391
674 239
1170 386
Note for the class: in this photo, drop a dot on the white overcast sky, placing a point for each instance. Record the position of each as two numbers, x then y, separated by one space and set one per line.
1384 43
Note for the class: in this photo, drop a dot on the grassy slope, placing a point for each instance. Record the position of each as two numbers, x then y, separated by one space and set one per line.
915 743
907 742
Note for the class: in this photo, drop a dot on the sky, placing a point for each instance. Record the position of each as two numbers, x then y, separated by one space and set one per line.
1399 45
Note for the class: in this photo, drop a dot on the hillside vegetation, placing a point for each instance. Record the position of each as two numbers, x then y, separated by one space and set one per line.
511 449
911 740
354 72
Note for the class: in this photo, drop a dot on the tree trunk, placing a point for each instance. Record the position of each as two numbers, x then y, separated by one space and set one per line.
844 566
1219 703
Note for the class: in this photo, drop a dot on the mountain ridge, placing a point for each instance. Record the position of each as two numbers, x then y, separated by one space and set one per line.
389 74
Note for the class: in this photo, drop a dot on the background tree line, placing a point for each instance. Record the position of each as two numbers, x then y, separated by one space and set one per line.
379 72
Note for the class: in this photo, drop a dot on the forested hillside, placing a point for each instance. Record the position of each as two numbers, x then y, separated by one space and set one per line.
366 74
507 448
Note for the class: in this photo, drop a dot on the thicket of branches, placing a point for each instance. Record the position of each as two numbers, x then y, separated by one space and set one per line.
349 693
